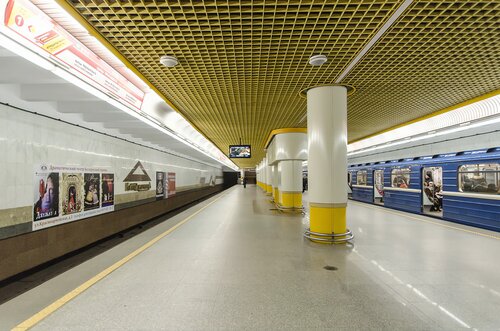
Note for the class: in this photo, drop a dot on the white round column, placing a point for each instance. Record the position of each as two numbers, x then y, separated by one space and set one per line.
290 188
275 182
327 162
269 178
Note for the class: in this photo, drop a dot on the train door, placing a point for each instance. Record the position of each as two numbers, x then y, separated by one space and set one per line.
349 184
378 187
432 191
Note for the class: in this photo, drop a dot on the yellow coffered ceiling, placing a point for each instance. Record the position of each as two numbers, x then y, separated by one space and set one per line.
243 63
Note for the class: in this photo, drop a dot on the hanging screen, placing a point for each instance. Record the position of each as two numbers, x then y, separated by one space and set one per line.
240 151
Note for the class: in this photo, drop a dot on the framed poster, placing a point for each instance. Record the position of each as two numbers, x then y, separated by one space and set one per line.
46 186
65 193
171 184
160 185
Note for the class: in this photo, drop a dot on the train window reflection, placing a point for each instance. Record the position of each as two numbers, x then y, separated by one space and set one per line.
400 178
361 177
479 178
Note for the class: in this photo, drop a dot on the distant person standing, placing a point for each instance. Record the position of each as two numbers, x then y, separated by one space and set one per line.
244 182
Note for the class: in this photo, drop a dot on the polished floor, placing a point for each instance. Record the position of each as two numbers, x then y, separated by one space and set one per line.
240 265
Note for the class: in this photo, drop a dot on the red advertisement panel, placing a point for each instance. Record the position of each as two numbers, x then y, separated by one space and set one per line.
171 183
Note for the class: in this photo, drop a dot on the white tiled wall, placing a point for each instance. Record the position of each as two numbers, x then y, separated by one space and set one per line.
28 140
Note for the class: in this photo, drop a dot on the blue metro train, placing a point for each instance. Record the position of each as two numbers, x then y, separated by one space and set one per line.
460 187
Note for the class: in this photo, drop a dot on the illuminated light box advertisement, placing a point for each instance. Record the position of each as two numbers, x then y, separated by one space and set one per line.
160 185
92 188
72 193
108 190
240 151
171 184
28 21
46 204
65 193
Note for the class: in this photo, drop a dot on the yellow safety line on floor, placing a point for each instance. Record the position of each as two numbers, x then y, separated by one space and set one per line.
38 317
400 213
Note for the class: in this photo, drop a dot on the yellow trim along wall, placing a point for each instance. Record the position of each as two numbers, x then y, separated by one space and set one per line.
328 220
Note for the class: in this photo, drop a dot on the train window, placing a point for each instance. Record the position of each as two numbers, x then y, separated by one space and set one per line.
361 177
400 177
479 178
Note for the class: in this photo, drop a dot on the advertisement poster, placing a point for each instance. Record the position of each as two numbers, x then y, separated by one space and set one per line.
92 185
68 193
108 190
46 203
36 28
160 185
171 183
71 193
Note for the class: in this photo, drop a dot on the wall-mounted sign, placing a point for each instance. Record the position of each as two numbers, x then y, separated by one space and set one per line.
65 193
137 179
37 28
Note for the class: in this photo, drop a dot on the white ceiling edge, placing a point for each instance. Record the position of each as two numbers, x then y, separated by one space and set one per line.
475 114
33 88
176 124
71 25
470 138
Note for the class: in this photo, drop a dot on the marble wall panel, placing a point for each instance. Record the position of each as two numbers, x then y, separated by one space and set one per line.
28 140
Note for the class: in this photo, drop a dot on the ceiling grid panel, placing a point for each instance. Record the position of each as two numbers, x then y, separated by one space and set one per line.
440 53
242 63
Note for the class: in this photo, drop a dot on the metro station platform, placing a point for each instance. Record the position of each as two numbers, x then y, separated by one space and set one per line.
234 263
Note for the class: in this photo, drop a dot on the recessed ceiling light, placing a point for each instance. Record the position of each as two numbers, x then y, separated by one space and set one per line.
169 61
317 60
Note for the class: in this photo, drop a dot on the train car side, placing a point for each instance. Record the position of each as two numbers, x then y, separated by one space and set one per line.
459 187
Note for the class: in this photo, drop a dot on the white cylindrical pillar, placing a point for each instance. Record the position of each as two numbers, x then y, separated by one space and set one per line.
257 171
327 163
261 177
269 179
290 189
275 182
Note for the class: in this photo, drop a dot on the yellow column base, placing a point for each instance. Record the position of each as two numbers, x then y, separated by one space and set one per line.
327 219
291 199
269 189
276 194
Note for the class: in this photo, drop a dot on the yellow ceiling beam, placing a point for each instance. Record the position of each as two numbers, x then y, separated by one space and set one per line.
284 130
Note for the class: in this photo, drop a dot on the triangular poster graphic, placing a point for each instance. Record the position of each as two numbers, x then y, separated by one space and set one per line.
131 177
